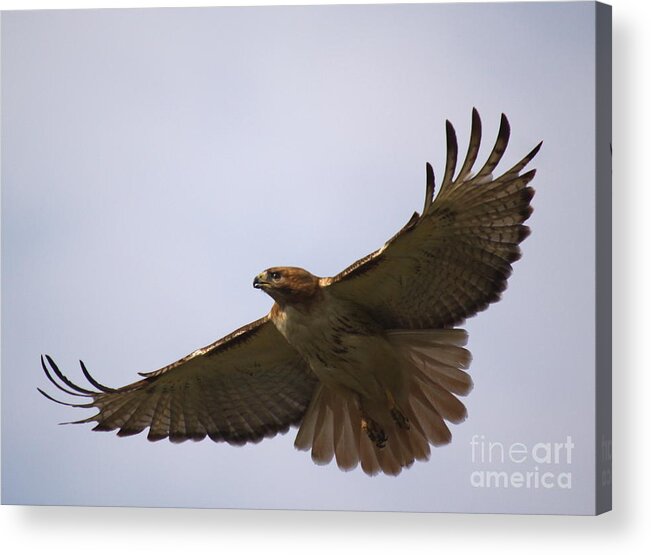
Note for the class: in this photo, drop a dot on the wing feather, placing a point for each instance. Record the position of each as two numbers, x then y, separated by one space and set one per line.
453 150
453 260
499 148
248 385
473 146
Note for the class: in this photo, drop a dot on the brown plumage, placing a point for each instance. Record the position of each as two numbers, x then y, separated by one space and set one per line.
367 362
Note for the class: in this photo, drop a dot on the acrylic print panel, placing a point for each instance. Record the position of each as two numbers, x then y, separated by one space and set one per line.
155 161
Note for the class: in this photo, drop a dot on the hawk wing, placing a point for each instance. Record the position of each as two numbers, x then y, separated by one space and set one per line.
246 386
453 260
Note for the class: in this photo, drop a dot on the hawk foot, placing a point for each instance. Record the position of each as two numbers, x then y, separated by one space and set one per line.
374 432
399 418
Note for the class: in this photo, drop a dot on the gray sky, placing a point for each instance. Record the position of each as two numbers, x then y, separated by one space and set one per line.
155 160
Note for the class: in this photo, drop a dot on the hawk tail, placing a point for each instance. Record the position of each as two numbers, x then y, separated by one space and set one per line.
332 426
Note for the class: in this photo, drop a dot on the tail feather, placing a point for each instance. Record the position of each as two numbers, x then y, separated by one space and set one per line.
426 338
429 420
390 459
450 377
417 442
348 436
434 363
305 435
442 401
368 457
323 448
408 446
441 358
442 355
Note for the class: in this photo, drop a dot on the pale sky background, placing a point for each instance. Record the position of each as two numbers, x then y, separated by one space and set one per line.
155 160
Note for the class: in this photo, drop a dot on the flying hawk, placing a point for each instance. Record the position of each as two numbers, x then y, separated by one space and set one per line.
368 363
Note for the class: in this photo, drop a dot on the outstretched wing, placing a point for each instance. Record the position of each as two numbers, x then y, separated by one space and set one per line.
453 260
246 386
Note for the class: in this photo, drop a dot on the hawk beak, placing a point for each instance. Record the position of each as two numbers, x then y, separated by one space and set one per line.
259 281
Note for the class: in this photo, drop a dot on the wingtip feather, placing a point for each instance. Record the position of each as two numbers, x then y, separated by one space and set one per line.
452 152
430 186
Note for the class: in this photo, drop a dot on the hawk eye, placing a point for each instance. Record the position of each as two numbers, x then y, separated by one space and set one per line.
274 275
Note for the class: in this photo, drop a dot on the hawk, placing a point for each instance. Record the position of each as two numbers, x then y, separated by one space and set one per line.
368 364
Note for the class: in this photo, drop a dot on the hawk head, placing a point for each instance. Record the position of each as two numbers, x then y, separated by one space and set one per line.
288 284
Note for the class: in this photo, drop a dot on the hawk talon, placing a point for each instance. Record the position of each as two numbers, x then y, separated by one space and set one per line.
375 433
400 419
